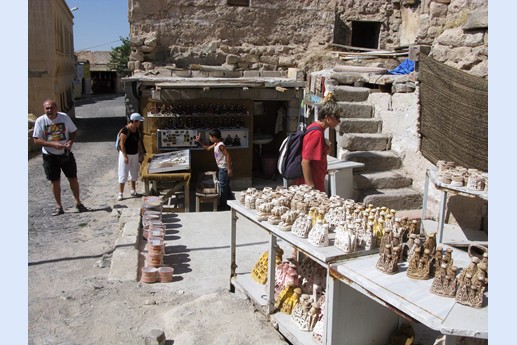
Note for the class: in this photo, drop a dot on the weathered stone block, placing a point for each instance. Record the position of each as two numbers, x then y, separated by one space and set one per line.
251 74
271 74
155 337
232 59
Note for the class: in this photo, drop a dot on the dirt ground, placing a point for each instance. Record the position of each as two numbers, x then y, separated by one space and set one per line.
71 301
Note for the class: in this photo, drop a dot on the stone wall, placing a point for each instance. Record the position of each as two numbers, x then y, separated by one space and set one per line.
276 35
457 31
268 35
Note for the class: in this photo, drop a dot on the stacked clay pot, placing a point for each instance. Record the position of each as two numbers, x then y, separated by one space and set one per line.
149 275
155 250
165 274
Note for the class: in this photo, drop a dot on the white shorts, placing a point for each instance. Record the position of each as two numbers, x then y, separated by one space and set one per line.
130 169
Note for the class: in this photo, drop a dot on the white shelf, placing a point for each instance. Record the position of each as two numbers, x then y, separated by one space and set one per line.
433 174
455 235
255 291
290 330
413 298
446 233
322 255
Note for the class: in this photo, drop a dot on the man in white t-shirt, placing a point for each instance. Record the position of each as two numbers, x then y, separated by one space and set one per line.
56 132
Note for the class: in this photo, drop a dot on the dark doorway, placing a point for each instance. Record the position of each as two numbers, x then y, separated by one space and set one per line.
366 34
104 82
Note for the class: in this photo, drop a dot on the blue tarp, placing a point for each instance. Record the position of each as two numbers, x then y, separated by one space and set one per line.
407 66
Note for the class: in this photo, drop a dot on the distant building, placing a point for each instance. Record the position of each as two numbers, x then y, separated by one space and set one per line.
51 57
101 79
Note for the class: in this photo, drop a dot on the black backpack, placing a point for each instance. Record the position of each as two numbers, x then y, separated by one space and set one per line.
290 155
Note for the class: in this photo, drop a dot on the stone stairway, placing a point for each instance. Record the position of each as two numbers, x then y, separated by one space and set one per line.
382 182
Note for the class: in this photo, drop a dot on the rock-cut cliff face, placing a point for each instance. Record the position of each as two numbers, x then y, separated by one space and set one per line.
276 35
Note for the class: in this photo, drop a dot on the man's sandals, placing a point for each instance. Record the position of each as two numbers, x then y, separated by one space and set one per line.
57 211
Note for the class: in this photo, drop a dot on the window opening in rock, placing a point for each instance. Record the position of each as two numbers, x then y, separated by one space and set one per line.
366 34
245 3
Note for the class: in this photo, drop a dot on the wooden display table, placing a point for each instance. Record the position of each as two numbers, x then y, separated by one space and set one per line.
180 181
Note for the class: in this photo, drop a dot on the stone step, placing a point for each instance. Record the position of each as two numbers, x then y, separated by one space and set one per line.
353 110
374 160
365 142
351 93
411 214
397 199
382 179
349 78
360 126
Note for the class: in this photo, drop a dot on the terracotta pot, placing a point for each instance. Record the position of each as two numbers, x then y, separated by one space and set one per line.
149 274
165 274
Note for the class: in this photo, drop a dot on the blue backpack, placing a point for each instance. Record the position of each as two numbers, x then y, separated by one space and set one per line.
117 142
290 155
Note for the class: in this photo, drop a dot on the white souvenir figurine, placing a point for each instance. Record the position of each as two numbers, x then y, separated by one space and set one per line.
287 220
302 225
264 211
276 214
249 201
343 240
319 234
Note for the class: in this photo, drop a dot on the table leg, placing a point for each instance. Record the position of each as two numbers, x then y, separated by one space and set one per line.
271 275
441 216
424 202
233 265
146 186
187 197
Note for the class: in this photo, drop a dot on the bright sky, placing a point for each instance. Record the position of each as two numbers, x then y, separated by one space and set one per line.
98 24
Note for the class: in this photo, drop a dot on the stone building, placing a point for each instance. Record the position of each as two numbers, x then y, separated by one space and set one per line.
51 58
101 78
274 54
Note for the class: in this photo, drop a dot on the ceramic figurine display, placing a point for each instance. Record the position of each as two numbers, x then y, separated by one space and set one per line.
473 280
420 264
319 234
317 332
442 258
470 269
471 294
302 225
445 282
430 243
305 313
276 214
259 271
301 308
319 327
287 298
286 272
388 259
288 306
284 294
287 219
458 176
249 201
343 238
264 211
313 276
